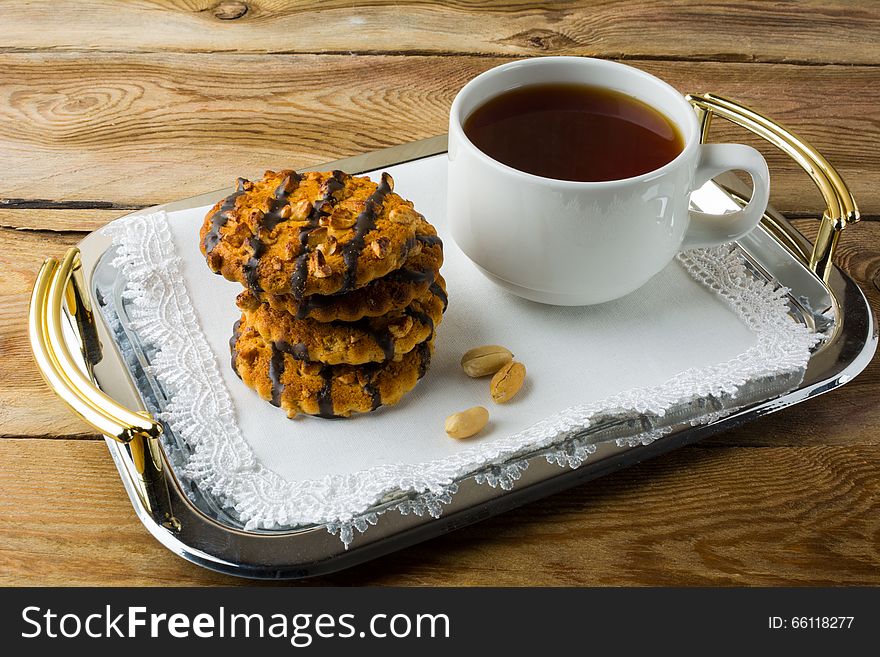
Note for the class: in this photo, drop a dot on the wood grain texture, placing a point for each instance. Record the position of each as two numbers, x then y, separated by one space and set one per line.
137 130
80 221
732 516
808 31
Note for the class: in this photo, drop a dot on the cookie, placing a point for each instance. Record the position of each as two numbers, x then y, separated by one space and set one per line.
393 291
368 340
314 233
329 391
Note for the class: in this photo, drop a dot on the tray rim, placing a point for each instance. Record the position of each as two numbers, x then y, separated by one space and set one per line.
841 288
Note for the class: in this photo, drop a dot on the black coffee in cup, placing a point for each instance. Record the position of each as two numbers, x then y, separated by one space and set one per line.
573 132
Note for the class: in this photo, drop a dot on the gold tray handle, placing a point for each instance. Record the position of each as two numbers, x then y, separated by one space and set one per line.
57 365
840 205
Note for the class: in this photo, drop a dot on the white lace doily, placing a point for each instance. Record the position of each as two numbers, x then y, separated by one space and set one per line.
223 463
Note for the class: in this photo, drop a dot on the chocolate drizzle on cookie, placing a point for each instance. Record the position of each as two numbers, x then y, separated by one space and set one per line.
221 216
280 348
375 395
298 350
364 223
429 240
371 372
268 222
438 291
415 276
308 304
325 395
258 248
382 338
424 318
322 207
274 216
424 357
276 370
419 316
233 342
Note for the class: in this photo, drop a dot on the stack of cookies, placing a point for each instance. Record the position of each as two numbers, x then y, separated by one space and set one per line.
342 289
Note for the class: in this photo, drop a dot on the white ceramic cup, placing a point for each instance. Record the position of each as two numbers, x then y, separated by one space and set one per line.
578 243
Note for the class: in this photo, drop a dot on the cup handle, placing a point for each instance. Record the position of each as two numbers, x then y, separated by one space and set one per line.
714 229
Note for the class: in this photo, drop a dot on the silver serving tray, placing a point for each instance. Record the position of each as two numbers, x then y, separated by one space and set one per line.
192 526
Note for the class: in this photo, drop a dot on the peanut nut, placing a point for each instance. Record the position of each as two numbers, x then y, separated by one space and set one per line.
342 219
301 211
507 382
329 246
404 215
320 268
467 423
485 360
380 247
287 184
316 237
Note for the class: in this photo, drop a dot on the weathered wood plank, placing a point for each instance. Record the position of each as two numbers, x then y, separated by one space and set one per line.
138 130
812 32
771 516
58 221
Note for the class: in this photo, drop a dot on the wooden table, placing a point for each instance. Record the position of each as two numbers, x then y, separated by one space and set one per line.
108 107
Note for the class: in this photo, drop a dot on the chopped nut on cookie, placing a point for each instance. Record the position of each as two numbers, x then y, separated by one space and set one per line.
380 247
